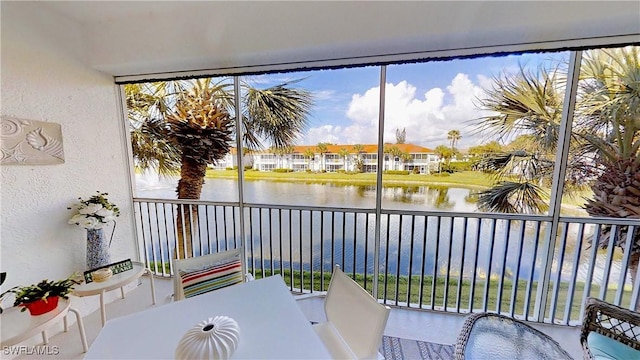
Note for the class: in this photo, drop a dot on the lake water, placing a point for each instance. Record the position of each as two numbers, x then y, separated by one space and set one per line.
484 245
309 194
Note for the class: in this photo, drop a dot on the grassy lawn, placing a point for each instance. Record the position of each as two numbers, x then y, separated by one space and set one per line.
472 179
413 291
437 301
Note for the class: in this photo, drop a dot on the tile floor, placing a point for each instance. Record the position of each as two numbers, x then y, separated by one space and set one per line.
411 324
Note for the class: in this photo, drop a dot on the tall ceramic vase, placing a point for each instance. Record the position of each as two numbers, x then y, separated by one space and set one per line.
97 249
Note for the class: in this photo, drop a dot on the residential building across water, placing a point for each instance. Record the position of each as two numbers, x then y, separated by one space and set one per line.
336 158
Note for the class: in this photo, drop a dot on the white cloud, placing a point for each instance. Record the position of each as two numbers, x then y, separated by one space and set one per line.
324 133
485 82
426 118
463 107
358 134
363 109
324 95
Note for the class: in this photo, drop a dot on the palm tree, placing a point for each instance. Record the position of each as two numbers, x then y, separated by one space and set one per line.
322 149
395 153
605 130
526 103
454 136
280 154
406 158
605 137
359 149
197 120
343 152
200 127
385 152
147 109
444 153
286 152
309 155
610 108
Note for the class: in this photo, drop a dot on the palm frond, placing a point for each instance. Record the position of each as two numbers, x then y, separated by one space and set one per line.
153 150
610 98
513 197
278 114
518 164
527 103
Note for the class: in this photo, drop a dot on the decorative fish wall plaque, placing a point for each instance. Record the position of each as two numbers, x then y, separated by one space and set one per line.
30 142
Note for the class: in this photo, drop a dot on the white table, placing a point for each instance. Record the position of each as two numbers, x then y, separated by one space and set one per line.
18 326
114 282
272 326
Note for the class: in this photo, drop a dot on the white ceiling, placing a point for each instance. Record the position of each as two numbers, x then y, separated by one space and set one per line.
142 37
92 12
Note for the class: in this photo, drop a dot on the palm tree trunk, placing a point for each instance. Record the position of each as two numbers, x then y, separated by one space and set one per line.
189 187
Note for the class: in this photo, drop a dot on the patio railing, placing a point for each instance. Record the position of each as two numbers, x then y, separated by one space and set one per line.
442 261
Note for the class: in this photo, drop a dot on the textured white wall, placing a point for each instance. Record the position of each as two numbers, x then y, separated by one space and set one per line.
43 78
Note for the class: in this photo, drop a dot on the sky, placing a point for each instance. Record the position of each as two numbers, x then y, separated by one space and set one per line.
427 99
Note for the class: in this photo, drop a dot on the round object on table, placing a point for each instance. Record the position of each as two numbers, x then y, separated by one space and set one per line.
214 338
101 275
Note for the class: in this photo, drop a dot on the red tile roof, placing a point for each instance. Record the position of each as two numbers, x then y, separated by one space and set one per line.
366 148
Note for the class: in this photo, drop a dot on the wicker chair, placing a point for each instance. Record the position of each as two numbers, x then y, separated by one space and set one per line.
612 321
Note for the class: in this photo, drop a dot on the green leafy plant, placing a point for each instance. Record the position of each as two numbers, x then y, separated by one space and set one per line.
43 290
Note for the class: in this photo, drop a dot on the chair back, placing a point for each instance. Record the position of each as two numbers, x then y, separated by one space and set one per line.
606 328
357 316
201 274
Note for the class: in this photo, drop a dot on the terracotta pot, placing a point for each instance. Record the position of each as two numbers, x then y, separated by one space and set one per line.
41 306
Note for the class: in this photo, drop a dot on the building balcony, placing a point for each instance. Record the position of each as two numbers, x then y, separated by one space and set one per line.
403 323
443 264
432 268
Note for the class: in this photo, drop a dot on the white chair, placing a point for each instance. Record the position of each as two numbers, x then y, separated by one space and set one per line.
355 320
201 274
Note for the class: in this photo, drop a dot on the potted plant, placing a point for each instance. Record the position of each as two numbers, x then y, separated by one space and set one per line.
43 297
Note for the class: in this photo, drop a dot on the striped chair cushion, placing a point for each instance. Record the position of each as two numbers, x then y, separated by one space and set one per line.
211 277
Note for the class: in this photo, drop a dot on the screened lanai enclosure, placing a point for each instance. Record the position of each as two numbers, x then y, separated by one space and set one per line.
530 205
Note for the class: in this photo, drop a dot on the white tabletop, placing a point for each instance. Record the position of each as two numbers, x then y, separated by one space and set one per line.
18 326
114 282
272 326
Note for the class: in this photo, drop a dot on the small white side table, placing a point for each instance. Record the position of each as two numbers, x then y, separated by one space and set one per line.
19 326
114 282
